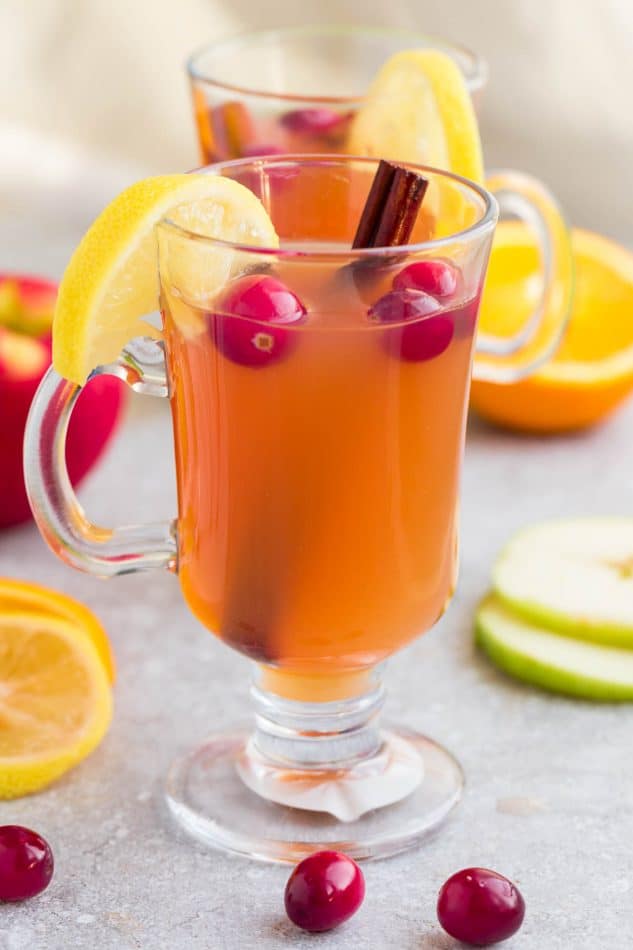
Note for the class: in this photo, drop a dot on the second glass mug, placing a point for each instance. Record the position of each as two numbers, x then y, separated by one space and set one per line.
296 89
318 467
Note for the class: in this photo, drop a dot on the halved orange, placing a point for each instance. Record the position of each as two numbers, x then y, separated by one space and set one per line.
25 597
592 372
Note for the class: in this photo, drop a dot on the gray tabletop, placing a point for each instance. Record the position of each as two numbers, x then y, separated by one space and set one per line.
548 800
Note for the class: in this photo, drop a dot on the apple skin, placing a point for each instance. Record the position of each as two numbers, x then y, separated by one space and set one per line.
93 422
543 658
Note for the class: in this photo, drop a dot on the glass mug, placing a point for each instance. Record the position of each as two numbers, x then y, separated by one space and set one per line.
279 91
318 464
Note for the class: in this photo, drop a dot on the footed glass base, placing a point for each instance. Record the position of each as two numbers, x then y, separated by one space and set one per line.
207 795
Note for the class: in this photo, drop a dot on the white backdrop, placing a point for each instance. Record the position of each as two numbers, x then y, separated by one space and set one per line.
107 75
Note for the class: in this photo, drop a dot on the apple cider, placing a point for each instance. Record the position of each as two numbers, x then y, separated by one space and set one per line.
318 460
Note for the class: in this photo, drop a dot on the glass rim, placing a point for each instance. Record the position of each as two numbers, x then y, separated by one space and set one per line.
475 77
472 232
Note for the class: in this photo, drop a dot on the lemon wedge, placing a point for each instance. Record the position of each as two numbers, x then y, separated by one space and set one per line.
111 282
418 109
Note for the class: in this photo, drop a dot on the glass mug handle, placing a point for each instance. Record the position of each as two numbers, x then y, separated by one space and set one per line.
103 552
508 359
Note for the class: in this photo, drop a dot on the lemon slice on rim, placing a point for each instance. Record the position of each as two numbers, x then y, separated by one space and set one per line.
55 700
418 109
111 282
25 597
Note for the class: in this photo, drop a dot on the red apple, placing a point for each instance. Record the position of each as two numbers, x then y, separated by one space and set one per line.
26 308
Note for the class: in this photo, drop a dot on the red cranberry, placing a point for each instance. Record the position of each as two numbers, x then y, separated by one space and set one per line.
26 863
323 891
265 306
480 907
315 121
430 331
437 277
397 306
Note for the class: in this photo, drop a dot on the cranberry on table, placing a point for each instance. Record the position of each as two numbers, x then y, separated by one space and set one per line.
26 863
323 891
437 277
430 332
480 907
264 306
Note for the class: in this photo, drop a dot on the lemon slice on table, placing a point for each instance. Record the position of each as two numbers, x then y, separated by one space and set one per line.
55 700
418 109
24 597
111 282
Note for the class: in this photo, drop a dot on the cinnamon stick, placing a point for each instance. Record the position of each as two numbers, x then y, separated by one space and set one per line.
391 208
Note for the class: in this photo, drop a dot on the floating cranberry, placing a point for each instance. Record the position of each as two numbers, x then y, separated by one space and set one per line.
249 321
430 331
480 907
26 863
466 317
323 891
400 305
437 277
315 121
233 128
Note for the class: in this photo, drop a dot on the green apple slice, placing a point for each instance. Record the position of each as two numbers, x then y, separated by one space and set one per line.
554 662
575 577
